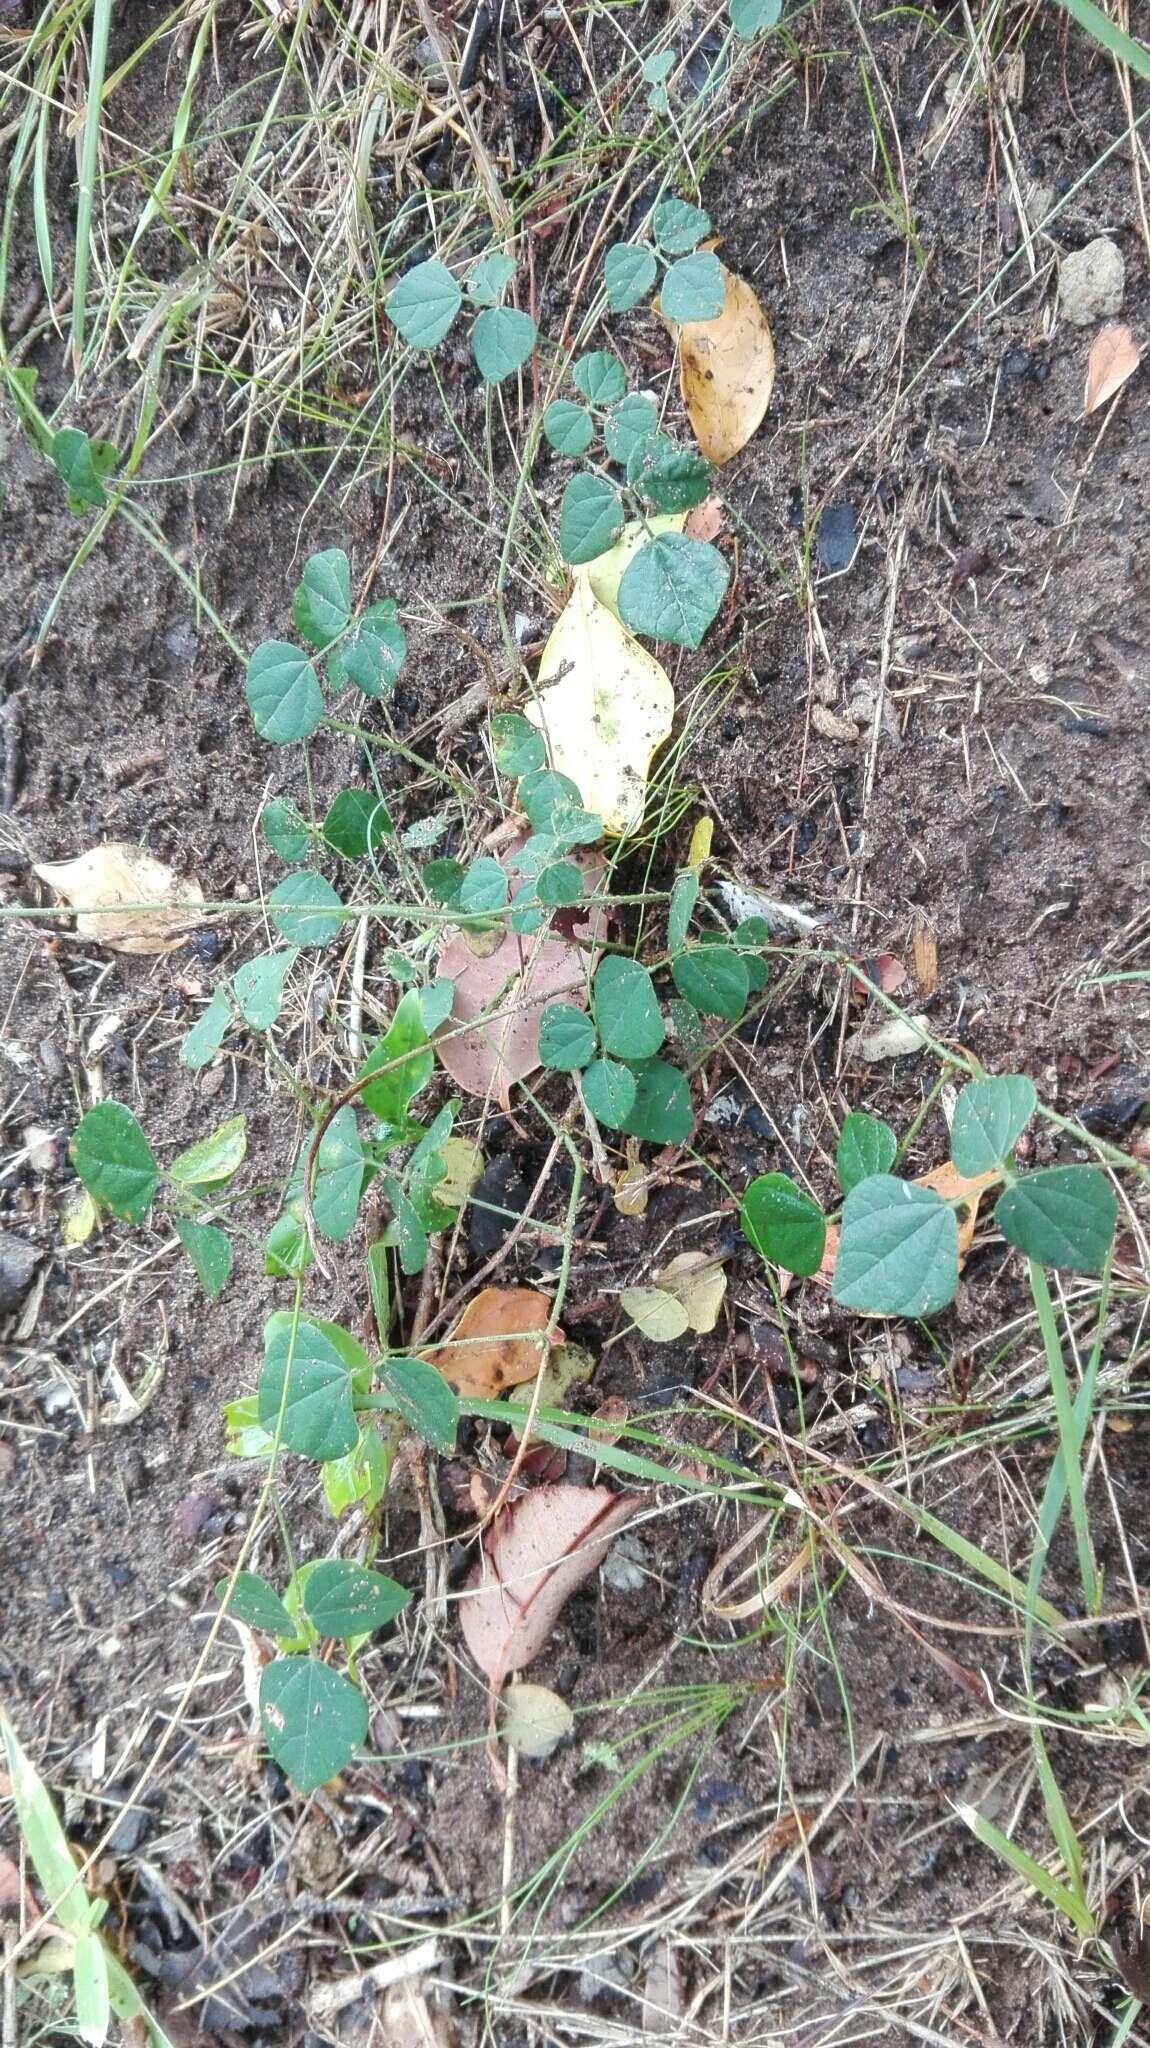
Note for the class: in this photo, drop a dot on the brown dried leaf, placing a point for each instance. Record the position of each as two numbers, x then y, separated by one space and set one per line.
706 521
492 1345
1114 356
99 883
508 990
727 371
536 1552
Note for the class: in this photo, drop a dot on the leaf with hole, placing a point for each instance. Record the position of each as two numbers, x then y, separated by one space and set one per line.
785 1226
693 289
283 692
866 1146
259 984
629 272
343 1599
115 1161
627 1009
423 305
566 1037
519 749
599 378
321 607
309 1381
200 1045
898 1249
210 1252
339 1177
989 1118
356 822
305 909
590 518
714 979
569 427
661 1113
373 653
214 1159
427 1404
1062 1216
284 829
672 589
490 278
501 341
679 227
313 1719
257 1605
609 1092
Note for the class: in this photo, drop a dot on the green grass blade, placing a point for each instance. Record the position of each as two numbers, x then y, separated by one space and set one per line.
1108 34
47 1844
1050 1888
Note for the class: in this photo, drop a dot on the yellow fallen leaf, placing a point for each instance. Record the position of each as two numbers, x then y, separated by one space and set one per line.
464 1163
1114 356
605 573
105 887
699 1282
605 704
660 1316
727 371
78 1216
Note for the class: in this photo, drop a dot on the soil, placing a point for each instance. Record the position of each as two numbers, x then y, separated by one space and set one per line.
807 1840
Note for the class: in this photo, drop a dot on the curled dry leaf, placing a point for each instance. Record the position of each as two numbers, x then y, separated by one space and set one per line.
892 1039
535 1554
699 1282
105 885
605 704
534 1720
496 1342
727 371
1114 357
503 995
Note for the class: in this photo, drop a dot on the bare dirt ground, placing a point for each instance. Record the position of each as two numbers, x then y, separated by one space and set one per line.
763 1810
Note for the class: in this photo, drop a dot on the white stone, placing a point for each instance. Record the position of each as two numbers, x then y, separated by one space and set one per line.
1091 282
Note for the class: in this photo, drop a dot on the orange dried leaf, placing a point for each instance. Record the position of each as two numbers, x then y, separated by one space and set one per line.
957 1187
1114 356
727 371
494 1345
535 1554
